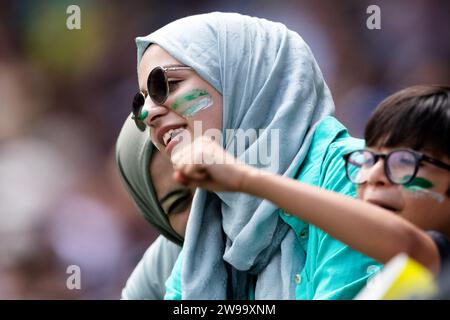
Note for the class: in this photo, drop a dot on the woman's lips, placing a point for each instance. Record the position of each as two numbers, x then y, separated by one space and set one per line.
173 142
169 135
158 133
170 146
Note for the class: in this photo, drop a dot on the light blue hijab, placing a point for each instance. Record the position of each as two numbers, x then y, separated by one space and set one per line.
269 79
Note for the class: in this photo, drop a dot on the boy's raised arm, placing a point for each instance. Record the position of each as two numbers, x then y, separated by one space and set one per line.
372 230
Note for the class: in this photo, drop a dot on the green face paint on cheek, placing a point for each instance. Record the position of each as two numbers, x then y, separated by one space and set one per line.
419 183
143 115
197 106
420 187
192 102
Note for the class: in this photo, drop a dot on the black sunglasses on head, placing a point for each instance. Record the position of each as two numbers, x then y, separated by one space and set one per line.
157 88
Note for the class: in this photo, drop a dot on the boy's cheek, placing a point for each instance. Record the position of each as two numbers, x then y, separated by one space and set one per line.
426 213
423 204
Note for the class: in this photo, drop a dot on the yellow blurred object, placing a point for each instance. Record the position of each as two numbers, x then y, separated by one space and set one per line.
401 278
50 43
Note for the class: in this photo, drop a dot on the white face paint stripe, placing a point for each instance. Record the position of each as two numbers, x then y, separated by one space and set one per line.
418 192
197 105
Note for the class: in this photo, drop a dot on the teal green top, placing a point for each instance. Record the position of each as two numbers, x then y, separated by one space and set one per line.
332 270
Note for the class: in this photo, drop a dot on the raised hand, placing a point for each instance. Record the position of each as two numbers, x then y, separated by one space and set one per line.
205 164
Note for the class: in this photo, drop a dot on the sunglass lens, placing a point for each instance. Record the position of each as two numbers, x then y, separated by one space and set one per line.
157 86
138 103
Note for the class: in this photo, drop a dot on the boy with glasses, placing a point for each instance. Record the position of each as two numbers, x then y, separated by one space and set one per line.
402 179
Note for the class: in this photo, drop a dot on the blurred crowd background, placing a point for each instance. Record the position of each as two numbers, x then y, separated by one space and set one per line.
64 95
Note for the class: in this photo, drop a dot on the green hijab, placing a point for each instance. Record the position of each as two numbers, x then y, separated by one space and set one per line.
133 154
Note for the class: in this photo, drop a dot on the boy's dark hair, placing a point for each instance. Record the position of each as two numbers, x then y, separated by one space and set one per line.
417 117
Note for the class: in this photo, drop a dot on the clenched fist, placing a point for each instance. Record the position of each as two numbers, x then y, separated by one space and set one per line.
205 164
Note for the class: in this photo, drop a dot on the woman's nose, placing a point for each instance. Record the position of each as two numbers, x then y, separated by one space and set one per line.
154 112
376 175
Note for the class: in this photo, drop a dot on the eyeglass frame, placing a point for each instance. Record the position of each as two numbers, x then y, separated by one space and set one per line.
418 156
136 109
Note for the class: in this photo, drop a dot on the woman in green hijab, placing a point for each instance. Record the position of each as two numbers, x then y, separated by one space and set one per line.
164 204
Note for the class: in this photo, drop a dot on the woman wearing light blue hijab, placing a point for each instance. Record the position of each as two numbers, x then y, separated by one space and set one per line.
249 73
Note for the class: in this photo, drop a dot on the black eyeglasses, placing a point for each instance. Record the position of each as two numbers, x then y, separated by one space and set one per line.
400 165
158 89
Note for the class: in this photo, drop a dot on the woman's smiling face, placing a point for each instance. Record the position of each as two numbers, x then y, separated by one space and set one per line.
191 99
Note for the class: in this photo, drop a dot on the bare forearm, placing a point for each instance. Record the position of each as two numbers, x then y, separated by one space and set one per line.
371 230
